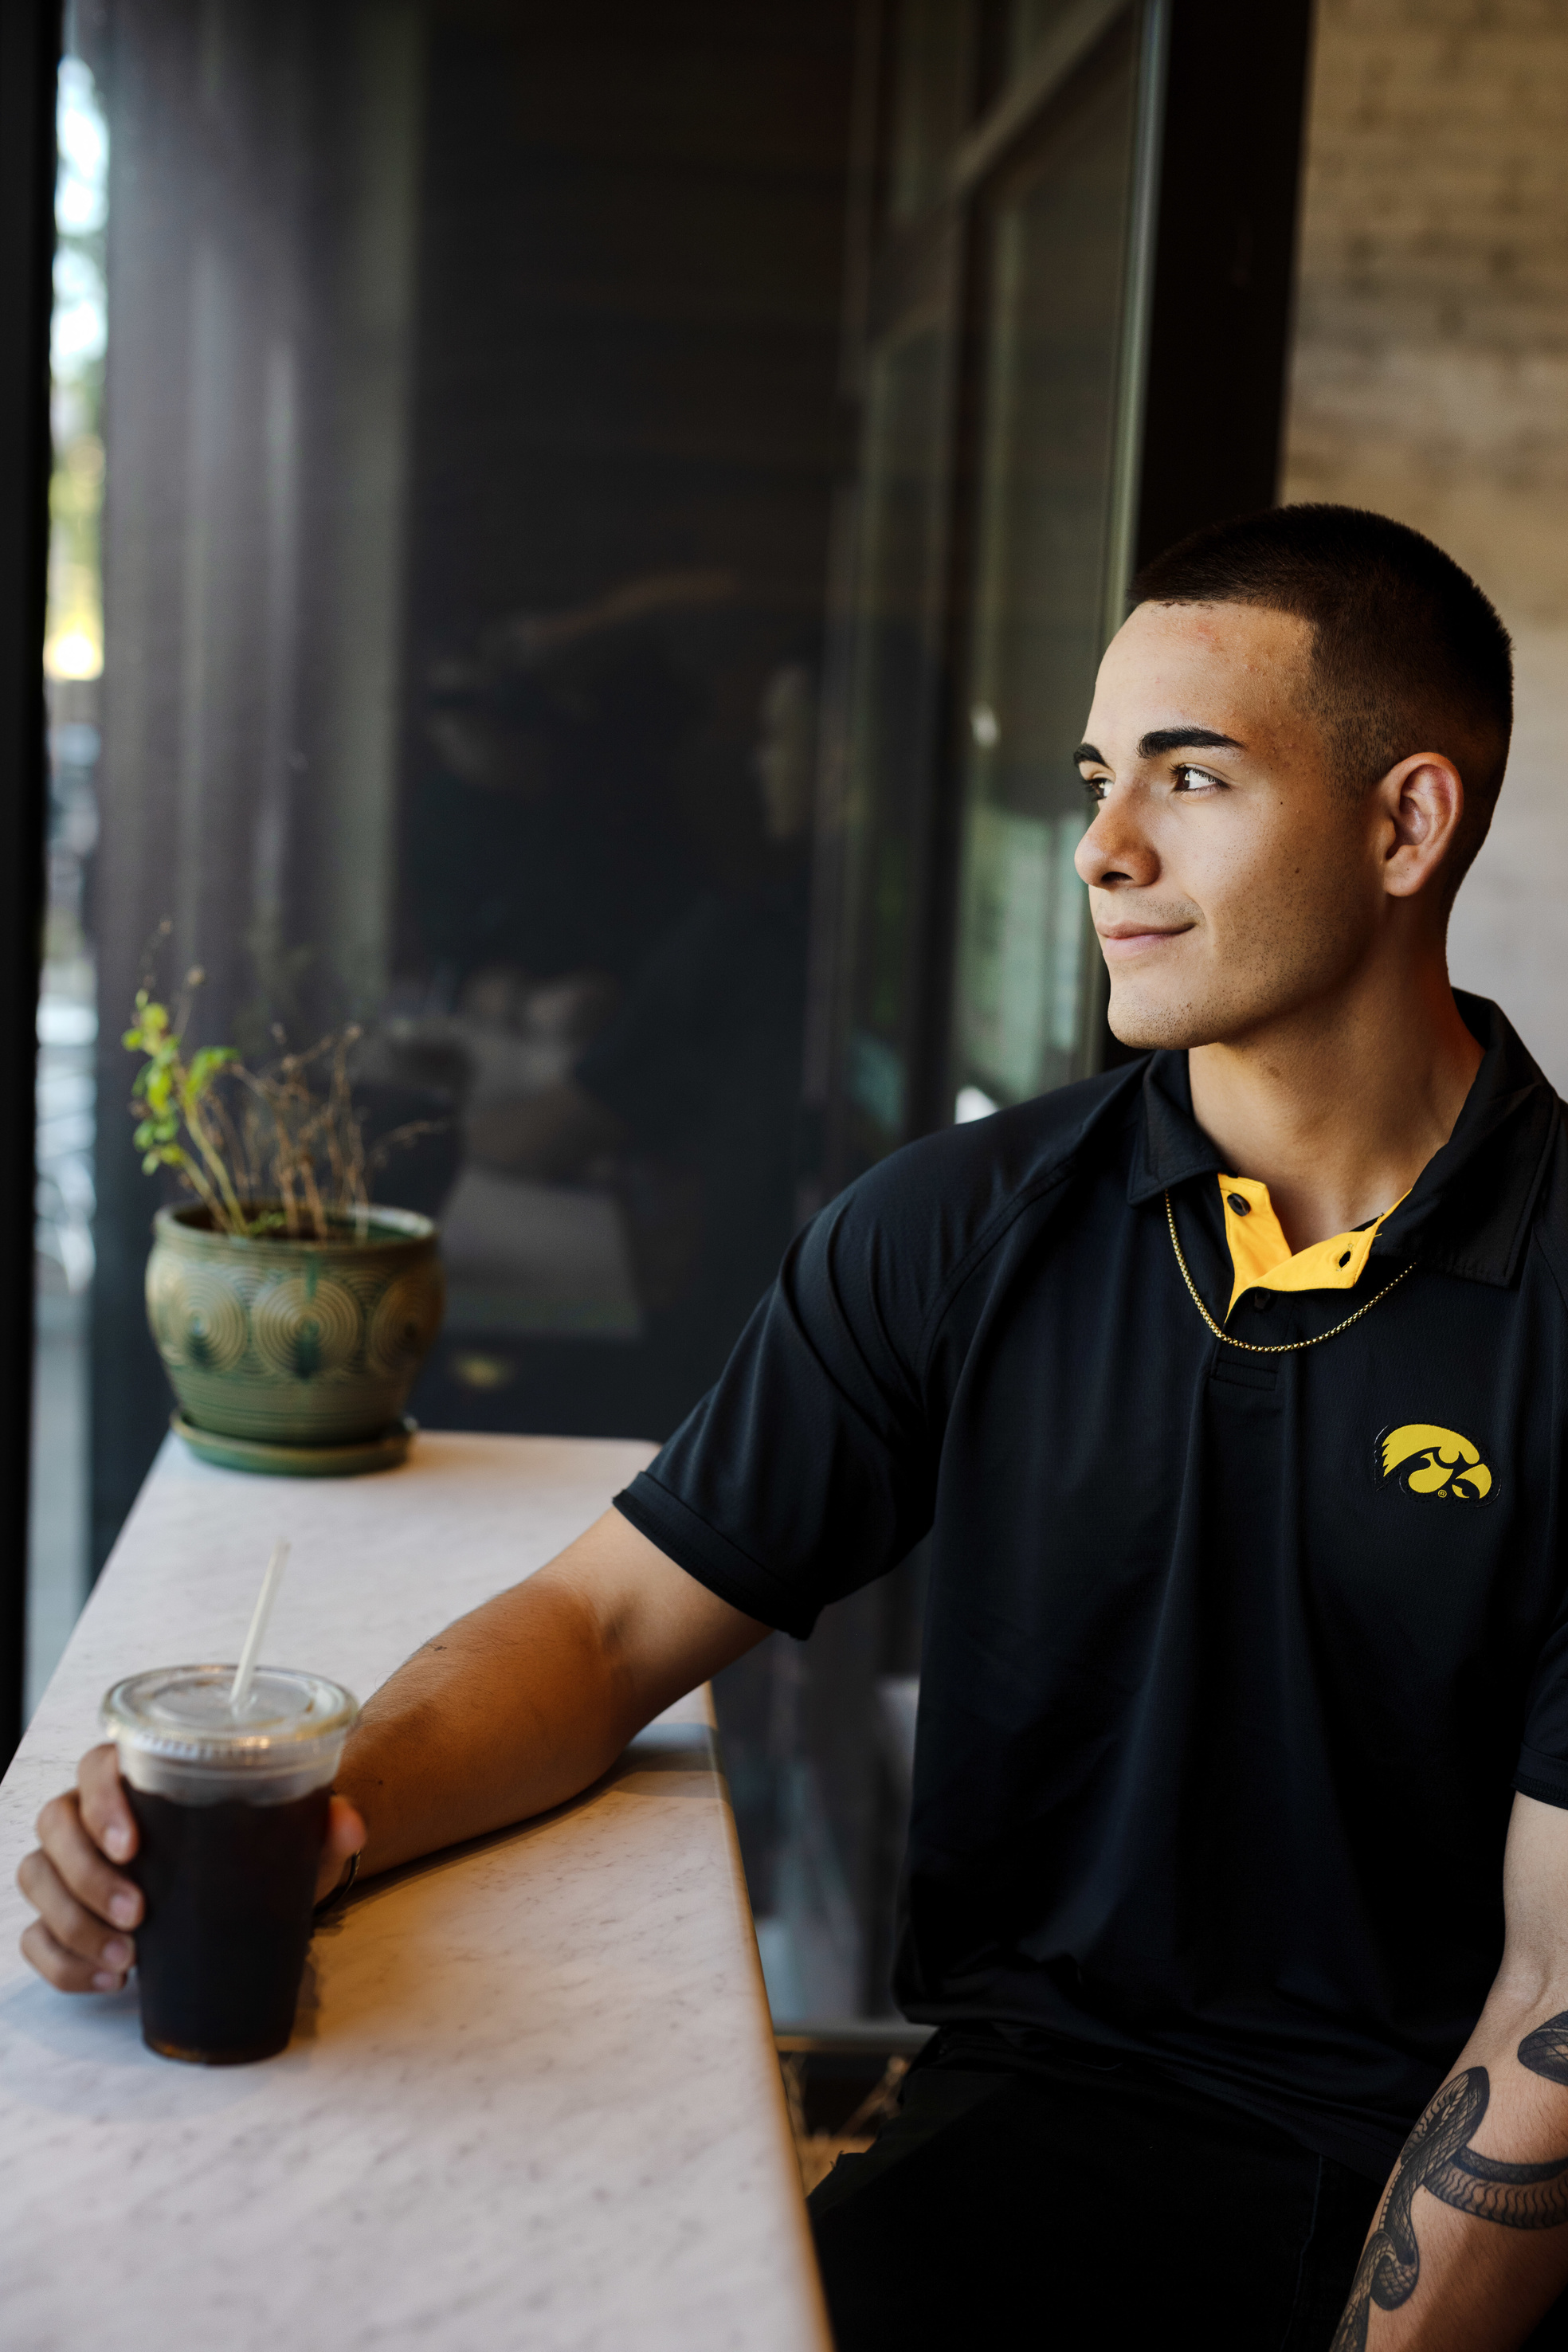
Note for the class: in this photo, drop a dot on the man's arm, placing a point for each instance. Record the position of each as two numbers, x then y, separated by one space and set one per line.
1469 2247
513 1709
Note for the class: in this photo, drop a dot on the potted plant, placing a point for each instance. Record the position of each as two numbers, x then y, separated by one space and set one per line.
290 1312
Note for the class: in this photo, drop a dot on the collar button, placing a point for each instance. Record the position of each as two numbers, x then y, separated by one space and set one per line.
1238 1205
1263 1300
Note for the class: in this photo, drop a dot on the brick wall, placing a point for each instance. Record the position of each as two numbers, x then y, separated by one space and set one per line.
1430 380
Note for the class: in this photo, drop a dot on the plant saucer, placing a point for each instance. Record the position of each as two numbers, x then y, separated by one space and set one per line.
384 1452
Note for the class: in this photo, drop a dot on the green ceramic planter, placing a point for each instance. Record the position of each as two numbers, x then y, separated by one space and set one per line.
294 1342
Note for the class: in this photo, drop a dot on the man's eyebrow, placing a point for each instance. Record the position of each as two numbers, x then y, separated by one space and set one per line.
1166 738
1184 739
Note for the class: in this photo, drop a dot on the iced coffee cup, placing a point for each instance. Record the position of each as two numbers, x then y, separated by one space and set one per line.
231 1811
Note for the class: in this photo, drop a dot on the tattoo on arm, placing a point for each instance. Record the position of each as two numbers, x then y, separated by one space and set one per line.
1438 2157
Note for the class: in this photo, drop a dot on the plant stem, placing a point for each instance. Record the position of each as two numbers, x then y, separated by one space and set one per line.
196 1123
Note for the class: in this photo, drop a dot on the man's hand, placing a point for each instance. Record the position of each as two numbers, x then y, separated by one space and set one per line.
514 1709
82 1939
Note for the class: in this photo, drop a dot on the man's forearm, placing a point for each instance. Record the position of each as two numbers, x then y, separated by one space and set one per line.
501 1715
1470 2246
525 1702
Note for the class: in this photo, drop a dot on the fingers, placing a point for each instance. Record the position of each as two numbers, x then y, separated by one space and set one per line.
345 1835
80 1941
75 1948
65 1971
105 1808
79 1865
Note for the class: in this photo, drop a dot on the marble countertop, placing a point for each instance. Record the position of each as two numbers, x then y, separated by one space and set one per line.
531 2100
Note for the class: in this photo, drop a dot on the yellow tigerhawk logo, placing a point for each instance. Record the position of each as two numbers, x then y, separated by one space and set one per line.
1433 1461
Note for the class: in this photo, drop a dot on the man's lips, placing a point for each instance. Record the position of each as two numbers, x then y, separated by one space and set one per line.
1134 938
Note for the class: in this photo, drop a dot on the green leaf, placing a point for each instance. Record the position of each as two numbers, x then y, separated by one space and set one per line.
205 1066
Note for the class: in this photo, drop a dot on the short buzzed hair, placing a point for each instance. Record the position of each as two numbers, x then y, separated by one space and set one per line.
1407 654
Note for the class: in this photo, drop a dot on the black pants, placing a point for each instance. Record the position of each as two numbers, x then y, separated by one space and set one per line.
1072 2205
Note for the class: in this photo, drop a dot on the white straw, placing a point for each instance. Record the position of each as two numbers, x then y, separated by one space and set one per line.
239 1690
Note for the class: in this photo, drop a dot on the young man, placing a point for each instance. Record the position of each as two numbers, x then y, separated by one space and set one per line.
1232 1387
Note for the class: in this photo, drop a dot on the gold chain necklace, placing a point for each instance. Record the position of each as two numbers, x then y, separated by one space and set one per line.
1288 1347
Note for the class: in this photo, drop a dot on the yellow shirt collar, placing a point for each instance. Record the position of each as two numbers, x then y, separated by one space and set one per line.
1261 1257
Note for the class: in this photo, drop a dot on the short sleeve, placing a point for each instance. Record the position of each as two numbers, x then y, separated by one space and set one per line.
1542 1768
809 1469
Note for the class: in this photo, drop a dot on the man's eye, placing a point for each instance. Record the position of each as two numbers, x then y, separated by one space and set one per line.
1097 786
1197 780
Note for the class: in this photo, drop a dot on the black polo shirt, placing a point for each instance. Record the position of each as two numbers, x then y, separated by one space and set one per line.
1233 1661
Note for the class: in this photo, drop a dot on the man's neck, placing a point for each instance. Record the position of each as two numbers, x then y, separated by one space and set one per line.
1339 1108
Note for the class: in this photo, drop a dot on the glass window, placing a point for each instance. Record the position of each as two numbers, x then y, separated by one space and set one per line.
67 1022
474 424
933 81
1028 22
1056 237
895 704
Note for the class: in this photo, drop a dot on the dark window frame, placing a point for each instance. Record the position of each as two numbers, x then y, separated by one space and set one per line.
1211 253
30 38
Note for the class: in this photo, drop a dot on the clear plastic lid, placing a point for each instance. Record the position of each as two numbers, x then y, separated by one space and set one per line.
182 1712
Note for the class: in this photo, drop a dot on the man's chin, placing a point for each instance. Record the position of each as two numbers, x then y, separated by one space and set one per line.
1146 1022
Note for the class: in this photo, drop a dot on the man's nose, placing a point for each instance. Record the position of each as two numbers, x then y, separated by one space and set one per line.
1115 848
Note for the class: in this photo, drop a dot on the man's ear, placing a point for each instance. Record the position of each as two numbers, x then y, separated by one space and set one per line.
1422 799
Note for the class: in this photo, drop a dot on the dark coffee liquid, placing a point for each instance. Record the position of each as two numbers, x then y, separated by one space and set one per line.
229 1890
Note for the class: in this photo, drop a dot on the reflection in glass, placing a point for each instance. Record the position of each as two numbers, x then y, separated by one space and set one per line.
1056 241
624 1029
933 68
894 703
475 422
1028 22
